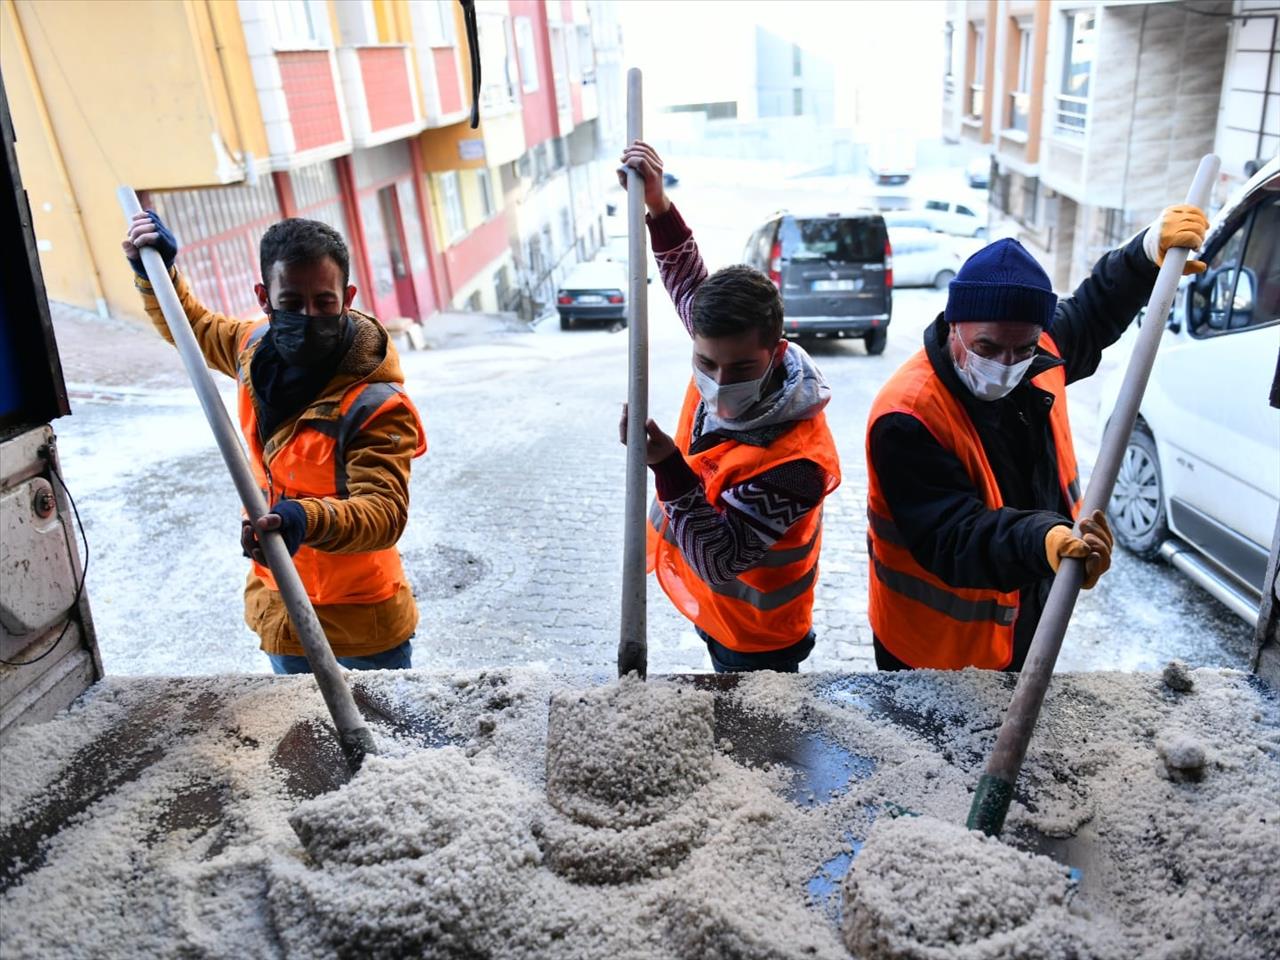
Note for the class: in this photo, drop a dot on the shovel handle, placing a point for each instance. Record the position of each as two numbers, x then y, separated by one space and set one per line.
353 734
633 644
995 789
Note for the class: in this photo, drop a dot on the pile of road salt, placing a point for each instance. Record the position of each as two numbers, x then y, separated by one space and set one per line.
522 814
973 897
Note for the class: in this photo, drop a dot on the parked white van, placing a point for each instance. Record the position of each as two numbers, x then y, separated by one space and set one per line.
1199 484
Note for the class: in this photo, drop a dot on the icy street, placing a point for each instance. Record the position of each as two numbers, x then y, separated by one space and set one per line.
514 543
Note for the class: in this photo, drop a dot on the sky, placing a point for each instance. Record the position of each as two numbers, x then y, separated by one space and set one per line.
887 54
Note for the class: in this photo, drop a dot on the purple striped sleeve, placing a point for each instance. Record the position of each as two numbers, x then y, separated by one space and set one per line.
678 259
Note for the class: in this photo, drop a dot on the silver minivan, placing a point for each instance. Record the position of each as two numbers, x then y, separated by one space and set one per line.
834 272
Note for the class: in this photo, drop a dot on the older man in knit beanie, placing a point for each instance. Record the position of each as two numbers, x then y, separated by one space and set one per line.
973 485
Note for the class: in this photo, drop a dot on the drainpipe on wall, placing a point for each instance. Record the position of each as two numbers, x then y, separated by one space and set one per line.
246 155
59 163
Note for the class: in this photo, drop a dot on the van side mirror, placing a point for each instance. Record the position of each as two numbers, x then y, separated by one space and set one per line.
1224 298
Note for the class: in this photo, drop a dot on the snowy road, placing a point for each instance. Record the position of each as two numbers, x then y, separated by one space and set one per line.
514 541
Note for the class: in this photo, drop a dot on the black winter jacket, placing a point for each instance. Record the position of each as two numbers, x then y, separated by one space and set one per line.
936 507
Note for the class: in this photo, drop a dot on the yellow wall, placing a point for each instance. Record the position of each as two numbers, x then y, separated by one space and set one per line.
440 147
472 205
439 235
245 120
392 18
164 124
68 274
334 27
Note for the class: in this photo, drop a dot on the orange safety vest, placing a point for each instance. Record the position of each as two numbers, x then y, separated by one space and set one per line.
769 606
312 463
921 620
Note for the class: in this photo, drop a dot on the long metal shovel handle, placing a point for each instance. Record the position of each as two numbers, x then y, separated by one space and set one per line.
633 644
995 788
353 734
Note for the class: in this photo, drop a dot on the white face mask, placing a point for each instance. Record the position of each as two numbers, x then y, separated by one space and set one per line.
730 400
989 379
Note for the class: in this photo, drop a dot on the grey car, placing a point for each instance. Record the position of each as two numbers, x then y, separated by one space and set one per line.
834 272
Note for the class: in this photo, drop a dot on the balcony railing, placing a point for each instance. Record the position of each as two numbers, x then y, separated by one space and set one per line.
1019 111
1071 115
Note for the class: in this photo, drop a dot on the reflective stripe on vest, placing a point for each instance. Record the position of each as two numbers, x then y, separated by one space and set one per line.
759 599
920 619
770 605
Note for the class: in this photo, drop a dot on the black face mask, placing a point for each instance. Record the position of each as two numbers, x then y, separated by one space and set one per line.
303 340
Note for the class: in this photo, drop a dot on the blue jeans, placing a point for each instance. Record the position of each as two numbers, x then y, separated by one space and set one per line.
397 658
786 660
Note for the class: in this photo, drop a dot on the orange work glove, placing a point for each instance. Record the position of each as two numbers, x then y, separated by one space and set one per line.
1093 546
1181 225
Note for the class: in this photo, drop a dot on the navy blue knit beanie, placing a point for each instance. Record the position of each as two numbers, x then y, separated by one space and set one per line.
1001 282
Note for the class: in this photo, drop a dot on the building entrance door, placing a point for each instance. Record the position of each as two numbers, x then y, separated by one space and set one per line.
393 230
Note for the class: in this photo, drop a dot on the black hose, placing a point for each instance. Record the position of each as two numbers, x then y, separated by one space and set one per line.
473 45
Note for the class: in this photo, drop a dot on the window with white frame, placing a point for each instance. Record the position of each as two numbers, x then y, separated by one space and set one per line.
455 221
575 55
978 61
528 51
1020 95
559 69
498 88
294 24
485 185
586 54
437 21
948 41
1077 66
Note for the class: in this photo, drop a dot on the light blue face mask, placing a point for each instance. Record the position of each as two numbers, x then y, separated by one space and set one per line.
731 400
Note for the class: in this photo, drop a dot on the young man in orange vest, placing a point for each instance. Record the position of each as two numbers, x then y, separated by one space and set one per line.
972 476
330 432
736 529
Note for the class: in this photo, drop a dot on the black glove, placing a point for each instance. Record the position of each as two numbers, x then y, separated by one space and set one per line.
166 245
291 525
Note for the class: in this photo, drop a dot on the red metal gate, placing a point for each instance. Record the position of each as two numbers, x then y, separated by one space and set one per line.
218 230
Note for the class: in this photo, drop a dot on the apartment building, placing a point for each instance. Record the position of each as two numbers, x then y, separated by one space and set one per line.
1095 115
228 115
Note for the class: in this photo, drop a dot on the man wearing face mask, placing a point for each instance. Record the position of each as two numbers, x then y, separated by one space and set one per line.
330 433
972 485
736 528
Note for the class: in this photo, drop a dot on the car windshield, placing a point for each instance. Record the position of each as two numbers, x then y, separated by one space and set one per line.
842 240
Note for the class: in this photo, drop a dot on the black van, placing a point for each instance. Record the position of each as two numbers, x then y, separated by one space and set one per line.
834 271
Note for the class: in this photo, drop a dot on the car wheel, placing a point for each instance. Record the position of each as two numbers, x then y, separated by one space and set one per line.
565 322
943 278
875 341
980 233
1136 511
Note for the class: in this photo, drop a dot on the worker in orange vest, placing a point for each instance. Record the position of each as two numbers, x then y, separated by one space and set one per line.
331 433
736 528
972 478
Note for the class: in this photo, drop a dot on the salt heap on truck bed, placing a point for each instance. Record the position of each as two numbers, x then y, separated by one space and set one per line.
214 817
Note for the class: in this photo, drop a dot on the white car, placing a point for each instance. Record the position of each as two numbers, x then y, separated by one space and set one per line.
1199 484
978 173
922 258
957 219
